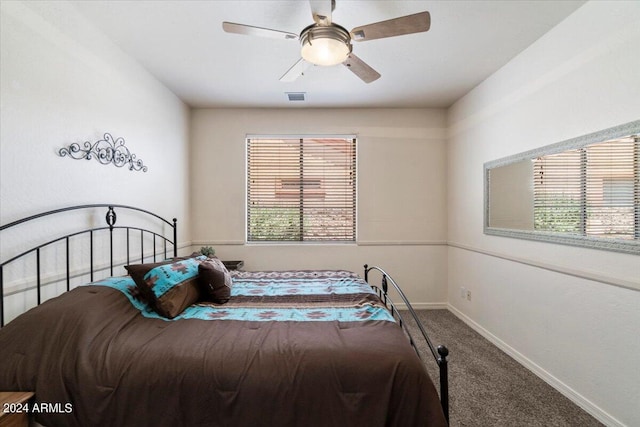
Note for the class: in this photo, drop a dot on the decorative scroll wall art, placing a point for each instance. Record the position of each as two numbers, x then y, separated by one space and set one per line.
106 151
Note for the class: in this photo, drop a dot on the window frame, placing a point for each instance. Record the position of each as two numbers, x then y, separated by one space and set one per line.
603 243
354 241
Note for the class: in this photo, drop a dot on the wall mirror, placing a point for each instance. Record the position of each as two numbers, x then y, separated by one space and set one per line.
584 191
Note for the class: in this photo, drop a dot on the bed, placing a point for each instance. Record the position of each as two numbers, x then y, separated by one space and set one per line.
285 348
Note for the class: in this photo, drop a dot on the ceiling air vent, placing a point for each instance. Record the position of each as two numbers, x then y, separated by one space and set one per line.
296 96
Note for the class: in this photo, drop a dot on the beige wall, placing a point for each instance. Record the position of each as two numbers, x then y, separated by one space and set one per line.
550 306
63 82
401 191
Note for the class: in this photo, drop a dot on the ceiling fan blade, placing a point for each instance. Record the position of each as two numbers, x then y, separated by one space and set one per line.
361 69
232 27
295 71
321 11
416 23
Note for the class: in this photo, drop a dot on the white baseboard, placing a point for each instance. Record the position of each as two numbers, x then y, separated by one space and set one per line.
554 382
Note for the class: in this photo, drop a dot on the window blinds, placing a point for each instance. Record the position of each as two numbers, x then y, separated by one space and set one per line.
592 191
301 189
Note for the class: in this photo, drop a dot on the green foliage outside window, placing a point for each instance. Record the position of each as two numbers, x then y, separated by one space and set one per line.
275 224
559 215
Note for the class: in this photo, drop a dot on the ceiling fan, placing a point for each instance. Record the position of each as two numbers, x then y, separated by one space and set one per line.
327 43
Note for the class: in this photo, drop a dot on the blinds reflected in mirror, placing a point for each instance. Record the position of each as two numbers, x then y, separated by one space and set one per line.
590 191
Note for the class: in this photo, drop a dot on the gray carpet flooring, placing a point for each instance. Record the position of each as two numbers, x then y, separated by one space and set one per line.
486 386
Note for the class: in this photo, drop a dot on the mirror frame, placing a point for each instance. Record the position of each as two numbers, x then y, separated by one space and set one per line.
608 244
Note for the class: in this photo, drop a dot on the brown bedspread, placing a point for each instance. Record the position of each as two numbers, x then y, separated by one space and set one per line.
92 349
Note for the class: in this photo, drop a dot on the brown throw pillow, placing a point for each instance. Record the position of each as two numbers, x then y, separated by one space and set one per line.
214 280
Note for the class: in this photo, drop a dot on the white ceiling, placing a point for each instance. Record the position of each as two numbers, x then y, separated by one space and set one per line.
182 43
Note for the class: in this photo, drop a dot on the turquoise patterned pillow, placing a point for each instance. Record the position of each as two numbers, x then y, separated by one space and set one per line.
171 287
165 277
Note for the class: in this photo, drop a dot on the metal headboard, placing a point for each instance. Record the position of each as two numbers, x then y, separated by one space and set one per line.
110 219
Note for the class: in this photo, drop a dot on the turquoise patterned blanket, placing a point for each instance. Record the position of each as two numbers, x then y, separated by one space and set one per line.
298 296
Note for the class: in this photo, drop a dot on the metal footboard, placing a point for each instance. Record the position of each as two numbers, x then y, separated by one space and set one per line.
439 354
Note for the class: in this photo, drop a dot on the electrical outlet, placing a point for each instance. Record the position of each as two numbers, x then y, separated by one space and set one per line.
468 295
463 292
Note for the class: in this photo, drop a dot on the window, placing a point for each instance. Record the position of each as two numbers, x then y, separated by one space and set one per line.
590 191
301 189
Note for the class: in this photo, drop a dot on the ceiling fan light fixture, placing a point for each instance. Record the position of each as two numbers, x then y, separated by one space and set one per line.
325 45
